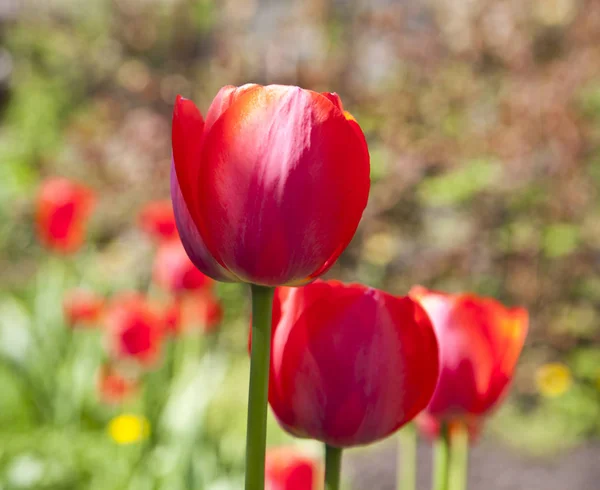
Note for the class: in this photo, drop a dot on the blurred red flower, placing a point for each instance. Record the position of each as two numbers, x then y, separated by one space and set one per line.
82 307
113 387
287 469
175 272
172 317
196 309
63 209
350 364
271 187
134 329
158 220
480 342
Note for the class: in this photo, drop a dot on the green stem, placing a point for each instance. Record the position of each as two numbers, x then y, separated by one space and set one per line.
459 460
256 432
441 459
333 467
406 466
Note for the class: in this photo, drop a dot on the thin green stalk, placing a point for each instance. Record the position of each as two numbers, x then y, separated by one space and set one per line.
441 459
333 467
459 460
260 356
406 465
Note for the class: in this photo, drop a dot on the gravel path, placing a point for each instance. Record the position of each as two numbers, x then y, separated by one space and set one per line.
492 467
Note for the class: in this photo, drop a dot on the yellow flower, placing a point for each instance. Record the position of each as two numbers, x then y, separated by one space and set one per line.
553 380
128 428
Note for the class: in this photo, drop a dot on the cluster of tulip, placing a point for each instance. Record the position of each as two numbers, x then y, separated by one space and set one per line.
269 190
135 325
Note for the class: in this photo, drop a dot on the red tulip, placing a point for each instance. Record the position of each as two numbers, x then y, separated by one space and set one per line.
174 271
158 220
480 342
82 307
113 387
271 187
63 209
172 317
350 364
134 329
430 426
198 309
287 469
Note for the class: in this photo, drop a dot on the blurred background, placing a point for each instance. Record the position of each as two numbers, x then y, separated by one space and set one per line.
483 122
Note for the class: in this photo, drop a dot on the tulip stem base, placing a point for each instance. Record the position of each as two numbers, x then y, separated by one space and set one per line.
333 467
459 461
441 462
256 433
406 466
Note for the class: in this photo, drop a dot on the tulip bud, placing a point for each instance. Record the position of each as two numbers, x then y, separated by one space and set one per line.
349 364
271 187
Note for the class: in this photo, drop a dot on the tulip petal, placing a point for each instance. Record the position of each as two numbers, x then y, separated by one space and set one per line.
191 239
224 98
334 99
282 186
186 134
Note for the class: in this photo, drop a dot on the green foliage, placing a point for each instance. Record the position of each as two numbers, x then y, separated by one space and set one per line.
589 101
560 239
204 14
460 185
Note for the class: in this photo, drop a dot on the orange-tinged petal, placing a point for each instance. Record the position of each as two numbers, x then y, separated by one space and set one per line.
480 342
223 100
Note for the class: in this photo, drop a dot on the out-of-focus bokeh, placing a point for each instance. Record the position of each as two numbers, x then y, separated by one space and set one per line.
483 122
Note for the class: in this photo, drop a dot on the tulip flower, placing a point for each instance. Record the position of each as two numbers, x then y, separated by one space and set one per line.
82 307
174 271
480 342
114 387
171 318
134 329
268 190
63 209
287 469
350 365
158 220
